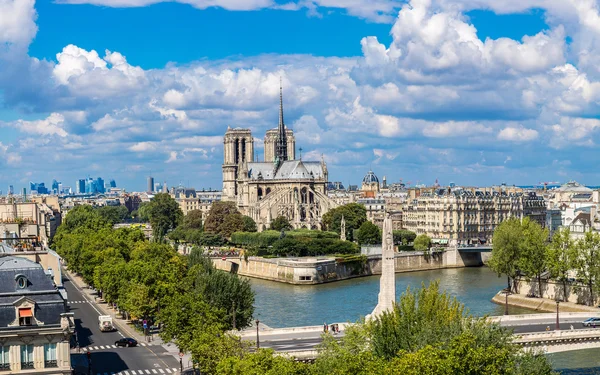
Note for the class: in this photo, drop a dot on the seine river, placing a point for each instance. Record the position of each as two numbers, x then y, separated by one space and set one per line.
284 305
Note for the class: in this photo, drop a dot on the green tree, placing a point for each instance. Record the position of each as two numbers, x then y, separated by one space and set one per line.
534 252
164 214
354 215
561 257
369 234
587 263
281 223
143 212
263 362
422 242
507 250
249 224
229 293
224 219
113 214
193 220
404 237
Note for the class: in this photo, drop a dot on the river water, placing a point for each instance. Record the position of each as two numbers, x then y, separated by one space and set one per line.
284 305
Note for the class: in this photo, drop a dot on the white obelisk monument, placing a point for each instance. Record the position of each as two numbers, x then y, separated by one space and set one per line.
387 288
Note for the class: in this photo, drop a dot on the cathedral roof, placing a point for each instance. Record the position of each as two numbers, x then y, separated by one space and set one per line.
290 169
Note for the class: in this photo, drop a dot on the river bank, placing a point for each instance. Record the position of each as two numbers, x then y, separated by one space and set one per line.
320 270
540 304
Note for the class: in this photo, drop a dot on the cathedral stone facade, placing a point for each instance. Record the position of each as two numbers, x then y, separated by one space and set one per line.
278 186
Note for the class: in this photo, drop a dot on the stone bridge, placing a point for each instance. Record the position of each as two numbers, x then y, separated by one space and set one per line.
561 341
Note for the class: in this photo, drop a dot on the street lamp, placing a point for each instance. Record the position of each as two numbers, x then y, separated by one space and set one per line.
557 321
257 338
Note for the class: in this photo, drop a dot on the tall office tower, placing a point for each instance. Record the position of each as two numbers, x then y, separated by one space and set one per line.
24 192
157 187
11 190
165 189
150 186
112 183
100 185
80 186
55 187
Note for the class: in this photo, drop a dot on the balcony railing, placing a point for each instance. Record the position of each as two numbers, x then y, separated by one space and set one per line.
50 363
26 365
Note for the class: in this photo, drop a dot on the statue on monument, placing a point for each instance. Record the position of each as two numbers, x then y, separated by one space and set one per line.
343 229
387 288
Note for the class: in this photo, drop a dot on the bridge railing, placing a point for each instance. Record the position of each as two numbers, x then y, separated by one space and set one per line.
561 335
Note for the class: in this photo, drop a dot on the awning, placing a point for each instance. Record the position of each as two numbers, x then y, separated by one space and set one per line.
25 313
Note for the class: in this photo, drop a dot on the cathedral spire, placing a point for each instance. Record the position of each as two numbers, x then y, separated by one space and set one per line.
281 152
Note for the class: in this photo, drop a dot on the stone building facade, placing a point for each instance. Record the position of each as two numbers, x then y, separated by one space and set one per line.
35 327
462 217
278 186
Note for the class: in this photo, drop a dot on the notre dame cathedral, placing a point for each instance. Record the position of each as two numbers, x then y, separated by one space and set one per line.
278 186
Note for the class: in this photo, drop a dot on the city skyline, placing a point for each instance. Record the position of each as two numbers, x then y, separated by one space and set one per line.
471 92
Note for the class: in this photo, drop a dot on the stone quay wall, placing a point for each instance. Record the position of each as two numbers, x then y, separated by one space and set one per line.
325 269
577 295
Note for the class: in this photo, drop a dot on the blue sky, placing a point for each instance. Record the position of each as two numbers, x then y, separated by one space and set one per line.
471 91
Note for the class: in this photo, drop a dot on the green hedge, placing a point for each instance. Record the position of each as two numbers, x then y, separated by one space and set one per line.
303 242
269 237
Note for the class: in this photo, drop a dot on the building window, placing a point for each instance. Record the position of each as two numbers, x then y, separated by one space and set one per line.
26 357
21 281
50 355
25 316
4 360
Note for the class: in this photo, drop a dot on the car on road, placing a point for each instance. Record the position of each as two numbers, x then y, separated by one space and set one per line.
591 322
126 341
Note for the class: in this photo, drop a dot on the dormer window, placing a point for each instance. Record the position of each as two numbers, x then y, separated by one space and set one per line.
22 281
25 316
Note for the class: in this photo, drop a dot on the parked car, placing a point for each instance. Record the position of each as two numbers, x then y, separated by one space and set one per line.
126 341
591 322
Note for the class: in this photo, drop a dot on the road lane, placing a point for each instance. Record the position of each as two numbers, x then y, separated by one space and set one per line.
105 357
310 340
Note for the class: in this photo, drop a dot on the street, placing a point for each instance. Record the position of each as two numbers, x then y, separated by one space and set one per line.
106 358
299 341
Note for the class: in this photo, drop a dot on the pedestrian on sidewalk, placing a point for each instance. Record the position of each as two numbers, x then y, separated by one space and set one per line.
324 327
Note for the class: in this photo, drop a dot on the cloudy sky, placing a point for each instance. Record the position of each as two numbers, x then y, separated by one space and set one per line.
470 91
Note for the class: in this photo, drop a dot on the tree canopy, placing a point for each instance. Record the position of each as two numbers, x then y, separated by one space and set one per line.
369 234
354 215
164 215
422 242
281 223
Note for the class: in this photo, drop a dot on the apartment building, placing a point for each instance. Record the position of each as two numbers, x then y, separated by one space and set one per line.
35 327
465 217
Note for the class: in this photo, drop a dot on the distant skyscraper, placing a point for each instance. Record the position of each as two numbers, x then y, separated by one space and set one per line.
39 187
100 185
11 190
150 187
80 186
24 192
55 187
112 184
157 187
165 189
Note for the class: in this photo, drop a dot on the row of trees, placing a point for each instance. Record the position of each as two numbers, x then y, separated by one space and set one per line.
149 279
523 248
427 332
